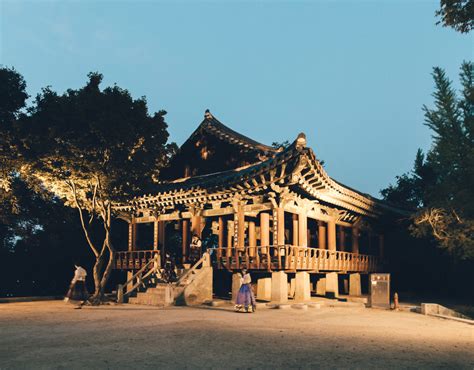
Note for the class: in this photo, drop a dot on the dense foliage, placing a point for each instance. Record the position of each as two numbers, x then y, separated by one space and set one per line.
441 185
458 14
85 149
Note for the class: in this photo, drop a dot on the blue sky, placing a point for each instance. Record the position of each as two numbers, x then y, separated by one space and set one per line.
352 75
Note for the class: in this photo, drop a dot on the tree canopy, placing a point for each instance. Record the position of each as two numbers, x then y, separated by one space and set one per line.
13 98
90 148
458 14
441 184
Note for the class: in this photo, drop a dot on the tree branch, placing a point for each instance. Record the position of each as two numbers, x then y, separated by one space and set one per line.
81 217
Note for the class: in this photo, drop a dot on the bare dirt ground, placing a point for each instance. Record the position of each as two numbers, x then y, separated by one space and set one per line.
53 335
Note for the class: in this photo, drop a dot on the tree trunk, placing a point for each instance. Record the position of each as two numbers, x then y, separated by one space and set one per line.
101 276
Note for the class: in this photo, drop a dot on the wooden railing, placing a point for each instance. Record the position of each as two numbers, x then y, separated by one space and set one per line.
140 278
134 260
293 258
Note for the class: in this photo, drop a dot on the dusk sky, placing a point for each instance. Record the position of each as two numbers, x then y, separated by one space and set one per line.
352 75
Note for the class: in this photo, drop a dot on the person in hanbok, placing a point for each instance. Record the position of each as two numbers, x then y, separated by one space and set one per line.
245 297
78 293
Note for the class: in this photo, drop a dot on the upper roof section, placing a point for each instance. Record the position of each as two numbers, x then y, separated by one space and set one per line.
214 147
212 125
295 168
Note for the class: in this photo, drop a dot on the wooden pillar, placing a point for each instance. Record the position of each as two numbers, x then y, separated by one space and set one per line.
332 235
264 229
342 238
381 246
252 239
134 236
155 235
221 232
196 225
321 235
130 236
185 238
230 233
303 230
355 239
239 227
295 229
369 241
280 226
161 236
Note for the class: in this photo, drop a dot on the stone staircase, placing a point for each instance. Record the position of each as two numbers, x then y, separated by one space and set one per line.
160 295
194 286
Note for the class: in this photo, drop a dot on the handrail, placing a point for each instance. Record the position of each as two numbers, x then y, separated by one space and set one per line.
133 260
205 258
293 258
121 293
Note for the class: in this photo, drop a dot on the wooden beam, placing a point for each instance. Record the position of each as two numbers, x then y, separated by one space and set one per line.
218 212
143 220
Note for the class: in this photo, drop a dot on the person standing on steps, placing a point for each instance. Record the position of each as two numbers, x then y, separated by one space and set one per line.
78 293
195 249
245 297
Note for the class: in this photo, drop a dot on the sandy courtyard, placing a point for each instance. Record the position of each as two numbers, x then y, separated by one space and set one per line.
53 335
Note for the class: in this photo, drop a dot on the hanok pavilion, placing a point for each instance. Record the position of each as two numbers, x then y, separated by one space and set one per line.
274 211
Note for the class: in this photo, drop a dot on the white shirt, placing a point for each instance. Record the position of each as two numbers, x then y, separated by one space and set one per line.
196 243
79 275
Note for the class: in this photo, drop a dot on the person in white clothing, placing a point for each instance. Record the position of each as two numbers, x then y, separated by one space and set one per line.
78 293
195 249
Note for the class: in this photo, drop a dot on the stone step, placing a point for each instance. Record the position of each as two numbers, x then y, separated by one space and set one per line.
157 290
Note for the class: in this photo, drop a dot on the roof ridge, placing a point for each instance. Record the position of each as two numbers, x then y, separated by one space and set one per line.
239 138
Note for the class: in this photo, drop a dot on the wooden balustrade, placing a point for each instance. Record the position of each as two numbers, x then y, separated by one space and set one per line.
293 258
269 258
134 260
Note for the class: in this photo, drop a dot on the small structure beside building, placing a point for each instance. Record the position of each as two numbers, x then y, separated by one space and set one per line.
273 211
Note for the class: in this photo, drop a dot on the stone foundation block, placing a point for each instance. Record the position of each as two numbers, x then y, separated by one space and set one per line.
355 288
332 285
292 288
321 286
279 287
302 287
264 289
